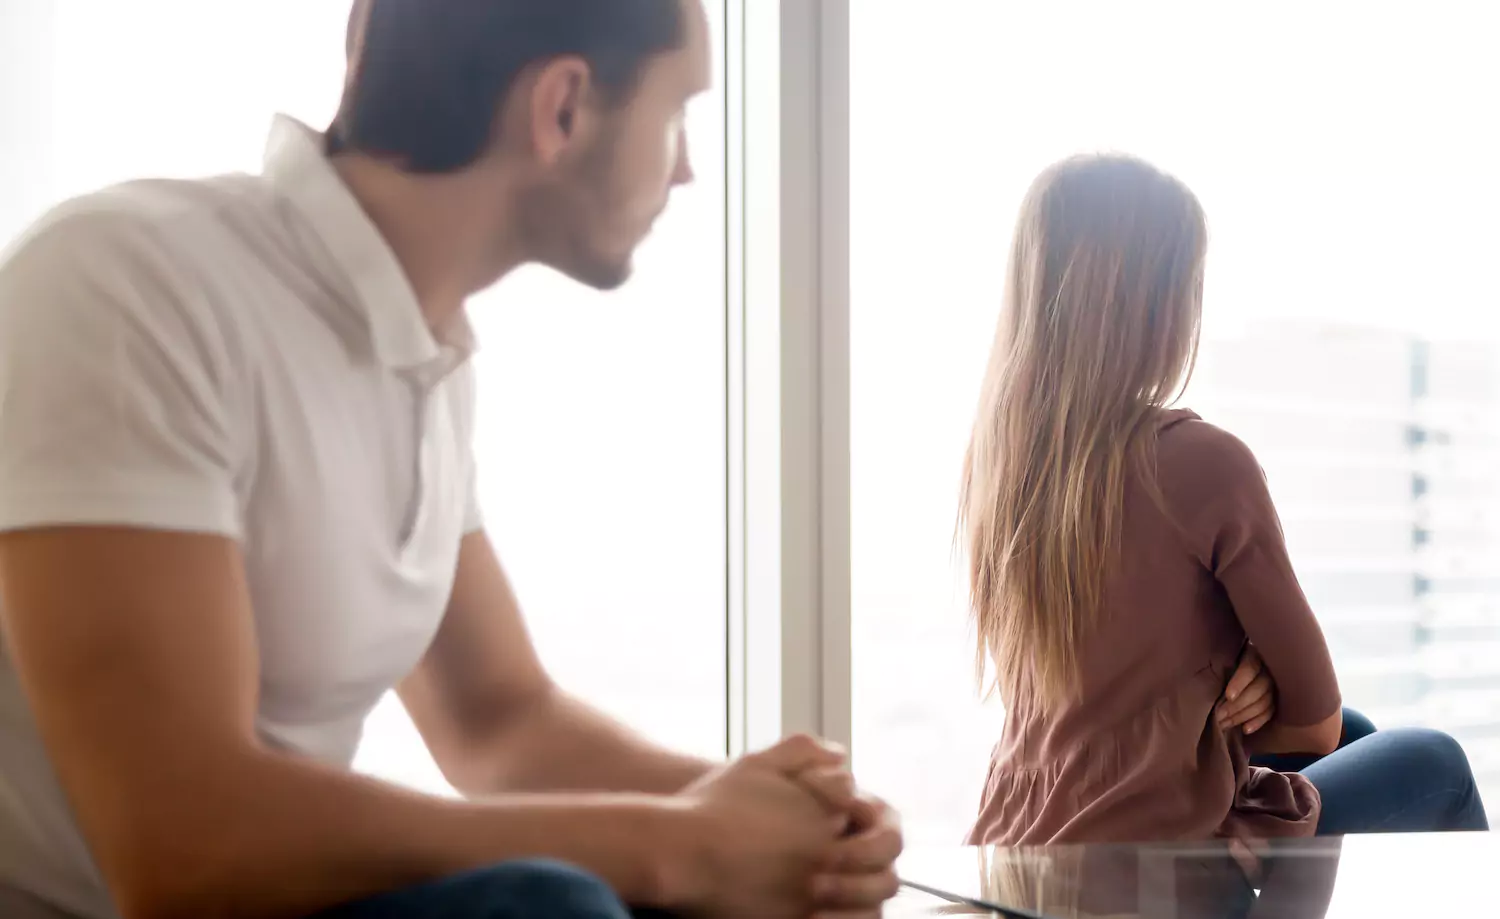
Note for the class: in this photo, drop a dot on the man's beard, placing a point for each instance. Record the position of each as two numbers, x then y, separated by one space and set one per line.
583 215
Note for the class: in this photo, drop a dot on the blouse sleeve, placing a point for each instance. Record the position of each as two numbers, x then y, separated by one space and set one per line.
1238 536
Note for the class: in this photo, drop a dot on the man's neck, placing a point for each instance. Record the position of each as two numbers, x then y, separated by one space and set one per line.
437 234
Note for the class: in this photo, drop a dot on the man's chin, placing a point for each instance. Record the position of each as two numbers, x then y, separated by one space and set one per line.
602 276
617 279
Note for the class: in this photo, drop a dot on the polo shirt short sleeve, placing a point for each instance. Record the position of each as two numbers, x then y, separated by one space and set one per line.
112 387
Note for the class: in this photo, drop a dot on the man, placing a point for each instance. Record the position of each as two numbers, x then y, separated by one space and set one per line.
237 506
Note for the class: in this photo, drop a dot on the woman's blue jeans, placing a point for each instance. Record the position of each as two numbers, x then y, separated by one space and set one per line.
1404 780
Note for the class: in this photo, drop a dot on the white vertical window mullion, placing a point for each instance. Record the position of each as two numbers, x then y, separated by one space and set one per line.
795 630
736 71
758 634
833 362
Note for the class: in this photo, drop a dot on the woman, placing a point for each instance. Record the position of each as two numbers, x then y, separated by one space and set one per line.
1125 559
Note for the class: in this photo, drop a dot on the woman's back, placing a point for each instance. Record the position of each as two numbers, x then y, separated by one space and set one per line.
1134 753
1120 553
1126 564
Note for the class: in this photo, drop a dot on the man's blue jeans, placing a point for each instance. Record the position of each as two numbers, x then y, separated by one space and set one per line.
514 890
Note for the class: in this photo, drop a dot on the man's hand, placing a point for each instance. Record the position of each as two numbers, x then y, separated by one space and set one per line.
860 875
1249 701
764 835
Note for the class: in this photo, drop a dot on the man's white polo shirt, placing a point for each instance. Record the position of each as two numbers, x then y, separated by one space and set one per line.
240 356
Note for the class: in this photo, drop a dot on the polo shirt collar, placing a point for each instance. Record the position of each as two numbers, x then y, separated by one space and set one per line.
296 165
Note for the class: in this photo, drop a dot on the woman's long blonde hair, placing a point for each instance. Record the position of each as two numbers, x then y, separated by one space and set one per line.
1098 332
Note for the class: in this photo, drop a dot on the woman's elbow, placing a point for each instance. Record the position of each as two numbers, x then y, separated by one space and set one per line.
1330 734
1319 739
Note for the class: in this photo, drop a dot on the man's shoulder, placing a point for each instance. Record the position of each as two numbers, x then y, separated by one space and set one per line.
167 218
147 241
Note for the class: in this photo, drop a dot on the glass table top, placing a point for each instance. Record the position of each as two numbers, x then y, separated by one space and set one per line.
1452 875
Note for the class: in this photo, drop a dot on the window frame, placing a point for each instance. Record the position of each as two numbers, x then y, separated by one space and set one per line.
789 667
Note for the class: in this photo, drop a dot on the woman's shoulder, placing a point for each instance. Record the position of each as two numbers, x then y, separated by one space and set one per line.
1204 470
1184 439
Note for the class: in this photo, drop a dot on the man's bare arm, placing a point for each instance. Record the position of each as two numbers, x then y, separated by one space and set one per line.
137 651
495 722
494 719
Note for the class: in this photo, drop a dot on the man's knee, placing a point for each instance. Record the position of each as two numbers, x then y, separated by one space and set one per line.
521 889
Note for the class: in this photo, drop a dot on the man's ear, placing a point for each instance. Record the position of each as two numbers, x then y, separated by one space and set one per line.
558 111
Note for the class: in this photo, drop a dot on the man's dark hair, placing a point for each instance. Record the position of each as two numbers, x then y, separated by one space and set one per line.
431 74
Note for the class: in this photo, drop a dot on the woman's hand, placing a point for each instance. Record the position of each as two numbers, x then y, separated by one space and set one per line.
1249 701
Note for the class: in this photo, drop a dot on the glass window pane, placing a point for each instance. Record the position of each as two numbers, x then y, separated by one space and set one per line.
1346 156
601 440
